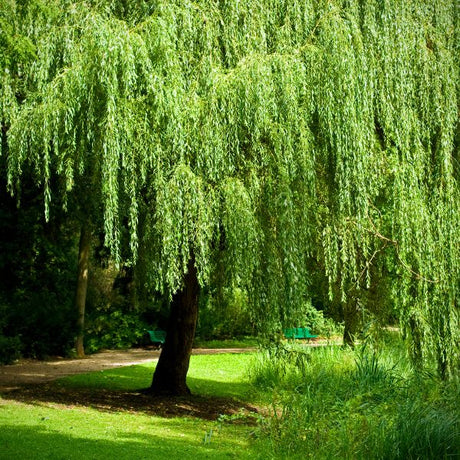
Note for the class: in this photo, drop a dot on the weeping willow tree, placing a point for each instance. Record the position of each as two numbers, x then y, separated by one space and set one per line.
251 137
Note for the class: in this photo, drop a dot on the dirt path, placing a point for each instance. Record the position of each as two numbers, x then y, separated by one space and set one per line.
27 372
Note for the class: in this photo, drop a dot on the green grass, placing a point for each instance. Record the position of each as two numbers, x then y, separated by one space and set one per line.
54 431
334 403
324 403
220 375
244 342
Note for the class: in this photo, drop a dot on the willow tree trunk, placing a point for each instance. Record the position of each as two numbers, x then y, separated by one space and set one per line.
171 371
351 322
416 350
82 285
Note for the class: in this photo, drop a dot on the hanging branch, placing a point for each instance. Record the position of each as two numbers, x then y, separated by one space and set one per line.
395 243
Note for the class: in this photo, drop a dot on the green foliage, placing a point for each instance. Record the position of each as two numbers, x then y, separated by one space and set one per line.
422 430
254 136
10 349
333 403
318 324
44 322
224 315
370 371
114 318
114 329
37 268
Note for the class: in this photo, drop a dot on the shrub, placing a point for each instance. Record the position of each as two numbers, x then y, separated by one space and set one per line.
225 316
114 329
319 324
10 349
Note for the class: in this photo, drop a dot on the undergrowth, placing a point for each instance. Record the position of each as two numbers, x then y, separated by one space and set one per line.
368 403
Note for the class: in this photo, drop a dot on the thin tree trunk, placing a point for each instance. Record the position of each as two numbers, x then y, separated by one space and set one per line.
351 320
171 371
82 285
416 350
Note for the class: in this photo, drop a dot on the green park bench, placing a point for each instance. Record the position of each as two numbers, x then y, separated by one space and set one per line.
157 337
298 333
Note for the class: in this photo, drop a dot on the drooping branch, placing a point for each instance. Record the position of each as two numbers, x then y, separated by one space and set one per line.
275 120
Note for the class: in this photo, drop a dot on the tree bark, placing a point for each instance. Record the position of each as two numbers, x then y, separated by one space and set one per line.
416 350
170 374
351 320
82 285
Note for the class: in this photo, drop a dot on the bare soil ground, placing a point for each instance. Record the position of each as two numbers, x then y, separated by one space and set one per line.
29 371
33 382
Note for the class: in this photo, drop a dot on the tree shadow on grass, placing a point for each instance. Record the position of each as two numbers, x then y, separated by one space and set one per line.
109 400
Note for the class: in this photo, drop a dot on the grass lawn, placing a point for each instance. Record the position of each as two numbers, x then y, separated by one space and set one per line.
45 428
59 432
325 402
245 342
220 375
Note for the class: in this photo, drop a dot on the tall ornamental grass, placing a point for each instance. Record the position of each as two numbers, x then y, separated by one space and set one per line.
367 403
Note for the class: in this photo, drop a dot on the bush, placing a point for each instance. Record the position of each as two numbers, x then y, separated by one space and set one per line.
225 316
10 349
45 321
38 264
319 324
114 329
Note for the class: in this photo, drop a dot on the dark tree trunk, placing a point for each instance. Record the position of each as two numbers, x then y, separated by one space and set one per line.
351 320
82 285
171 371
416 351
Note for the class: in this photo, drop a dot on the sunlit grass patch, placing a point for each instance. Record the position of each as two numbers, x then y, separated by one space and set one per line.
48 429
245 342
37 432
222 375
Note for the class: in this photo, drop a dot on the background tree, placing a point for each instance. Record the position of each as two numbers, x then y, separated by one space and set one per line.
252 136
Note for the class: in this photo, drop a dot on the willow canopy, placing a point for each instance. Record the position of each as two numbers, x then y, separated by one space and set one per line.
253 135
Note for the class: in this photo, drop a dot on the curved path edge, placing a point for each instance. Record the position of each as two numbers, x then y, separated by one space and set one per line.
28 371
